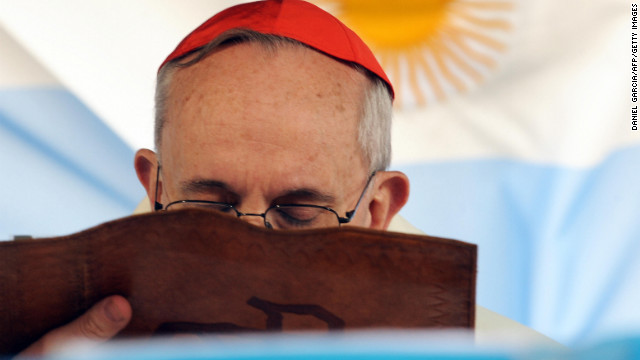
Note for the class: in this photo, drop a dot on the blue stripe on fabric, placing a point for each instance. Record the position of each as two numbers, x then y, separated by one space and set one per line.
352 345
63 169
558 247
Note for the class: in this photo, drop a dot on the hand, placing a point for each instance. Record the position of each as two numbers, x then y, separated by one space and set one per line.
100 323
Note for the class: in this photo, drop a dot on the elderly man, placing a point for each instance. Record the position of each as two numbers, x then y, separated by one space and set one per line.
266 104
275 111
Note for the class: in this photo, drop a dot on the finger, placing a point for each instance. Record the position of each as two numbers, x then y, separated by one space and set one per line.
100 323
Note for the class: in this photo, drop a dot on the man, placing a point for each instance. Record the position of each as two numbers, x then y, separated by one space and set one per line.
265 104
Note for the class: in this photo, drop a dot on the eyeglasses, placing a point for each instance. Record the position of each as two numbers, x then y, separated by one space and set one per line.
279 217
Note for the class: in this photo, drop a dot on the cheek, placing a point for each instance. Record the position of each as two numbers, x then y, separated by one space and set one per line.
362 217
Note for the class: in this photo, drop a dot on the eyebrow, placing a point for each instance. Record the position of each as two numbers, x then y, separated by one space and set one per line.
304 194
206 186
200 186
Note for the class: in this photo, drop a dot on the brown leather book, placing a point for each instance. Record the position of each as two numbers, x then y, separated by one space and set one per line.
197 271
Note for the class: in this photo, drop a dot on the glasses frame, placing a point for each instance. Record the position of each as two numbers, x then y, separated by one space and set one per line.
341 220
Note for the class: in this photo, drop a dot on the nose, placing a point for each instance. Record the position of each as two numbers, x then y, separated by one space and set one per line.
255 219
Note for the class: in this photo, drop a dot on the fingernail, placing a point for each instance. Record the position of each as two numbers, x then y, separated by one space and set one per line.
112 311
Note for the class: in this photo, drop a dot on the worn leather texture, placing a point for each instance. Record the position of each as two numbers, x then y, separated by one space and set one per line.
200 272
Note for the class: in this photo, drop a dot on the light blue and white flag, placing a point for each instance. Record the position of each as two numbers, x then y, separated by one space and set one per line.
531 155
513 123
62 169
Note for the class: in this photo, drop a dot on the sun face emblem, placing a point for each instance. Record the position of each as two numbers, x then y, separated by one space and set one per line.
430 49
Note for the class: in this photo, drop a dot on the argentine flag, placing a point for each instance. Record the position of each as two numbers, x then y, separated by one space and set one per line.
513 122
63 169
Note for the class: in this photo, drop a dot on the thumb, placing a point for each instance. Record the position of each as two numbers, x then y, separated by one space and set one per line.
100 323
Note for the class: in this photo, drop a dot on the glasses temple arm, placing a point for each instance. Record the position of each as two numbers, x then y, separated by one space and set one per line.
350 214
157 206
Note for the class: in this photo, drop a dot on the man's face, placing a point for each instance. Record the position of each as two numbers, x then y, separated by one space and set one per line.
256 128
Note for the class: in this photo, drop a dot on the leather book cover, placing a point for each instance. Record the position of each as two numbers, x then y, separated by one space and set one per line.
201 272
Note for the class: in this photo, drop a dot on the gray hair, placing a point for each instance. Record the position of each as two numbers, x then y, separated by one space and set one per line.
374 128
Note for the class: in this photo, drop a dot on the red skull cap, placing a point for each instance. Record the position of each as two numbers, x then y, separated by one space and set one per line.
293 19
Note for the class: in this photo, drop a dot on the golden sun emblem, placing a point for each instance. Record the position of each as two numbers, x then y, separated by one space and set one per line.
430 49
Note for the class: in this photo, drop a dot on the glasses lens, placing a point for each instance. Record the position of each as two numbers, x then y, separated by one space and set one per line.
300 217
224 208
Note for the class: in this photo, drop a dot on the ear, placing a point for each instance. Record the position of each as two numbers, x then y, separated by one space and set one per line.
146 164
390 195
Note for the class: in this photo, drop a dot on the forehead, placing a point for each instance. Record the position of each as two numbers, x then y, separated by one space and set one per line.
245 107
